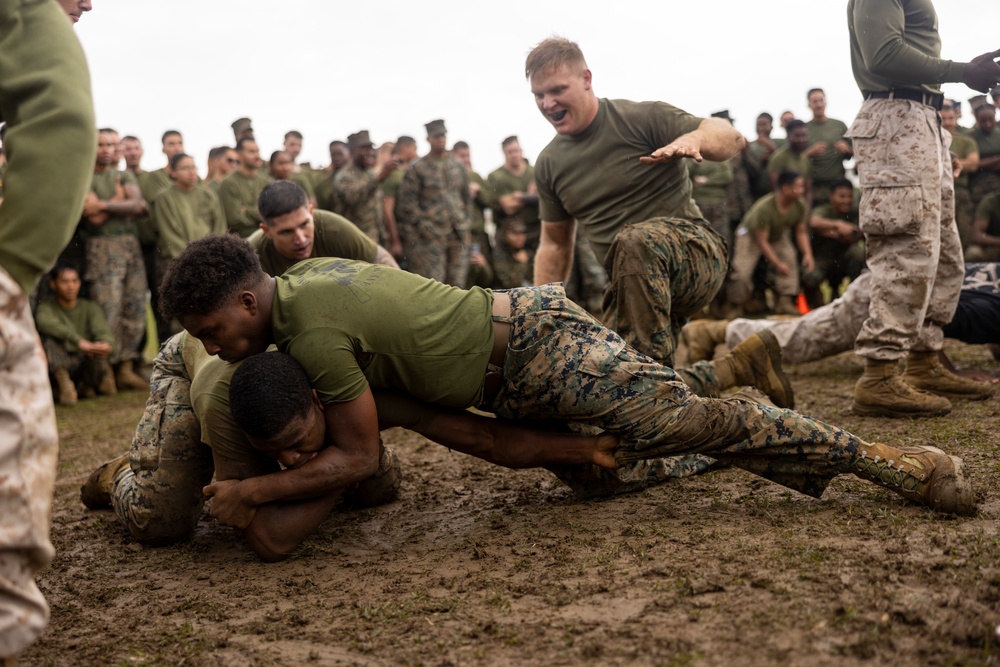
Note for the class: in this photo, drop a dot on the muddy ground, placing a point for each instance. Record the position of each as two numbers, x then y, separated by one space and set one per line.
476 565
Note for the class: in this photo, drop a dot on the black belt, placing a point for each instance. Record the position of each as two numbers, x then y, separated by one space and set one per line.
935 100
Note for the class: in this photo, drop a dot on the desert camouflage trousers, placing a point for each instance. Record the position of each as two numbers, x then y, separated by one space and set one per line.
661 272
116 278
28 451
822 332
158 497
908 217
561 364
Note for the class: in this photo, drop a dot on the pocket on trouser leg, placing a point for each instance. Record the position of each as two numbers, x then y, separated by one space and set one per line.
892 210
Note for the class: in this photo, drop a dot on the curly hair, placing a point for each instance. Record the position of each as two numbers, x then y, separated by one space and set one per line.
267 392
206 274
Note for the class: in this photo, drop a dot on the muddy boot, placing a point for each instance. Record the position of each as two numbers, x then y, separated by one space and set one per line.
96 491
922 474
127 378
107 387
786 306
383 486
924 371
65 388
881 392
756 362
702 337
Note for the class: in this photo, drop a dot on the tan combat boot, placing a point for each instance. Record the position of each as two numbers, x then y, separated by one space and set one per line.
126 378
65 388
107 386
756 362
96 491
922 474
702 337
925 371
881 392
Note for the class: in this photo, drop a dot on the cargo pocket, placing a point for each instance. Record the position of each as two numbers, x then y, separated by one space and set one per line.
600 356
892 203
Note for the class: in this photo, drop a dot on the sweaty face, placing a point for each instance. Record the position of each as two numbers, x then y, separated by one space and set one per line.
173 145
292 234
565 97
105 149
233 332
842 199
300 441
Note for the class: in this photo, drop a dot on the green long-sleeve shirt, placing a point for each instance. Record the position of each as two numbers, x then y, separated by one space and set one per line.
85 321
238 195
895 44
51 140
182 217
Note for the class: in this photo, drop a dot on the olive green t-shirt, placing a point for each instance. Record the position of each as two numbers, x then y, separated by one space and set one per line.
238 195
963 146
719 177
86 321
353 325
764 214
596 176
989 210
502 182
103 186
182 217
989 144
333 236
828 165
785 159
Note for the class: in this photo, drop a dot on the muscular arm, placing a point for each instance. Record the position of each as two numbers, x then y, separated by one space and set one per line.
132 204
715 139
555 252
979 236
991 163
969 163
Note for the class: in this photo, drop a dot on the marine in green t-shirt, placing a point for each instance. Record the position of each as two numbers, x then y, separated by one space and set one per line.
828 148
182 216
837 243
793 157
282 244
239 191
985 236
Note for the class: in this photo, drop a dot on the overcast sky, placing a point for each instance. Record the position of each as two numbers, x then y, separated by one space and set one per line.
330 68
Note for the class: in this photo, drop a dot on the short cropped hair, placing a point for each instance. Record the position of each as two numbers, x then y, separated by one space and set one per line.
841 183
552 53
459 145
794 124
280 198
106 130
814 90
764 114
60 267
266 392
208 273
337 142
512 139
169 133
217 152
293 133
244 141
175 160
787 177
129 137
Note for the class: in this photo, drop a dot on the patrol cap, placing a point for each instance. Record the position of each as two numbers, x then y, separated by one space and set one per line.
359 139
241 125
435 128
724 114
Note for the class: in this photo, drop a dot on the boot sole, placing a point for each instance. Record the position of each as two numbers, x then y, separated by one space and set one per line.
777 372
878 411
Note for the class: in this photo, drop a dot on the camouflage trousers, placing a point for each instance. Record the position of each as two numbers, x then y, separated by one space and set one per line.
561 364
739 286
28 449
718 216
83 369
116 279
158 497
442 257
823 332
908 218
661 272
